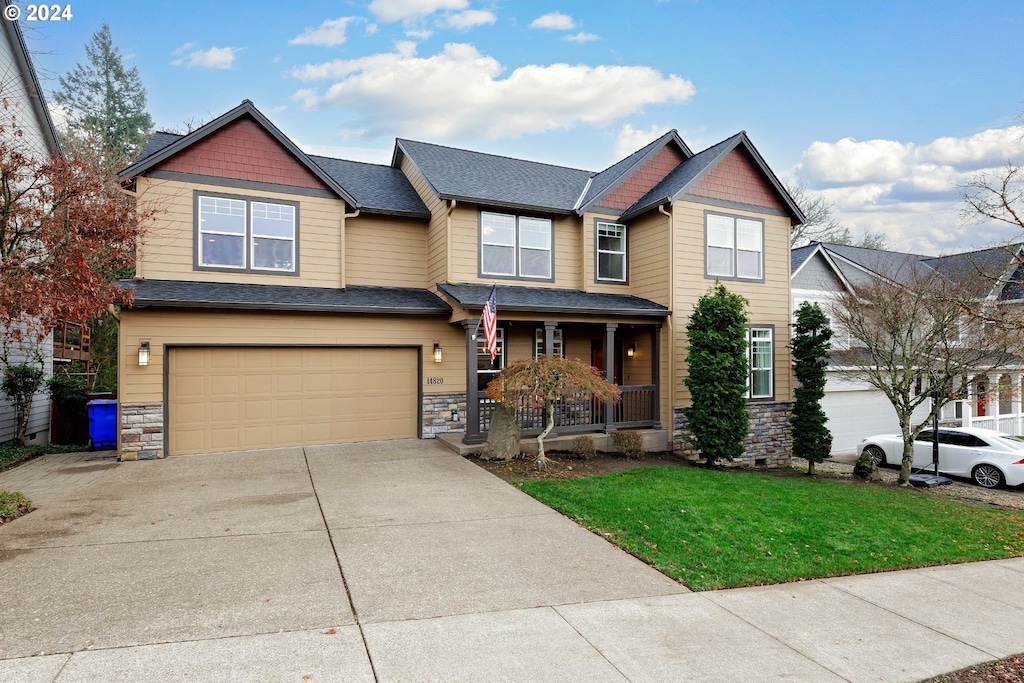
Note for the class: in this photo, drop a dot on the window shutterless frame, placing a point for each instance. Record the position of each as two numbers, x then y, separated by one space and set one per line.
516 247
761 354
235 233
610 246
733 247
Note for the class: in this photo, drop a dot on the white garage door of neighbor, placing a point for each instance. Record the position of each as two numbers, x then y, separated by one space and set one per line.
855 415
245 398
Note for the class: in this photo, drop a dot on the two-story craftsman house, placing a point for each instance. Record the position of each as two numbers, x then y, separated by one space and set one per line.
283 298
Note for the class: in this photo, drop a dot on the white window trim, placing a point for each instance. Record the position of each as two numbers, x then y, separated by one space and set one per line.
518 248
248 237
253 237
202 233
481 350
538 343
771 362
735 248
597 265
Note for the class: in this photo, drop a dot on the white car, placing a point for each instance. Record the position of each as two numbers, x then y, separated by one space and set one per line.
988 457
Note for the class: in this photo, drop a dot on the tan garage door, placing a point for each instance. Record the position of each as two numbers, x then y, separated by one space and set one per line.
228 399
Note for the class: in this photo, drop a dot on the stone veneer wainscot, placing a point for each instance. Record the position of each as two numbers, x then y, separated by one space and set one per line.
769 443
142 431
444 414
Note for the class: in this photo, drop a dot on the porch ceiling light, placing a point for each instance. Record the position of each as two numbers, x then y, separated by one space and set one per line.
631 349
144 353
437 352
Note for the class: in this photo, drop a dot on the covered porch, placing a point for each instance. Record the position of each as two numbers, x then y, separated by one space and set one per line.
619 335
992 401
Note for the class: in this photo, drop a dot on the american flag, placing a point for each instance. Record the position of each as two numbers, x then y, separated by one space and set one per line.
490 319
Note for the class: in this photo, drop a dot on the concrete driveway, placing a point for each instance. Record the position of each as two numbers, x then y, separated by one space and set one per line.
399 561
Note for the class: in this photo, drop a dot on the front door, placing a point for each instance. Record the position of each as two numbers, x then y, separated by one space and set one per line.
597 358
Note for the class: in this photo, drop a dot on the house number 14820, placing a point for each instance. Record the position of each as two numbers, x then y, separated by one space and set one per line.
435 380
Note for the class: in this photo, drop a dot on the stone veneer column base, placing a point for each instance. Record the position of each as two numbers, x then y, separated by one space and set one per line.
142 431
770 442
444 414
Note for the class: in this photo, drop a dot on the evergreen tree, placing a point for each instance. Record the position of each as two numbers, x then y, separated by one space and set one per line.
719 369
106 102
812 341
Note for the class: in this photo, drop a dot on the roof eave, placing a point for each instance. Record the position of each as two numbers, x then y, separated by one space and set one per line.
33 89
624 312
308 308
561 211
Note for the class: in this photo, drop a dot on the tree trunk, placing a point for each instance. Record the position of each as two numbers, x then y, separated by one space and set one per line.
502 436
549 409
810 467
908 460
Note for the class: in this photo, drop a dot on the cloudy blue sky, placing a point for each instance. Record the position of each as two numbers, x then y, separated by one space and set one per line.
885 107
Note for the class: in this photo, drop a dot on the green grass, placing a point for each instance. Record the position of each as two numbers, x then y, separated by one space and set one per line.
11 455
721 529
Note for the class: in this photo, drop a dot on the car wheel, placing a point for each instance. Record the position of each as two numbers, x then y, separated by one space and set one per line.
876 454
987 476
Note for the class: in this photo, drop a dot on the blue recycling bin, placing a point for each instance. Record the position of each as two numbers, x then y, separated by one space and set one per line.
103 423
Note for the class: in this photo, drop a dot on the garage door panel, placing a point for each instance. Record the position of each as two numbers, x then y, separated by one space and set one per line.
224 399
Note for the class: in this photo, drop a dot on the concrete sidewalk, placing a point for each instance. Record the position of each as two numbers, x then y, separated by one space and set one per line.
399 561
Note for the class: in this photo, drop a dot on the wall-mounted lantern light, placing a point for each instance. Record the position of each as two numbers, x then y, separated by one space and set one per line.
437 352
631 349
144 353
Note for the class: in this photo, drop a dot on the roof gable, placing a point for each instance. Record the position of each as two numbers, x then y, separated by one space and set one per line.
30 88
246 110
689 174
736 178
620 185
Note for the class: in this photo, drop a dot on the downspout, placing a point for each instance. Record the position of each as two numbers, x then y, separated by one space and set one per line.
672 364
448 241
344 217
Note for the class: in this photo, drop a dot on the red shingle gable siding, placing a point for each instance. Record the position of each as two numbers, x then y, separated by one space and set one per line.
242 150
737 179
637 184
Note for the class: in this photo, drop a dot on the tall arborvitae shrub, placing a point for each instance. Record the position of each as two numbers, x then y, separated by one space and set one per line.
812 342
717 418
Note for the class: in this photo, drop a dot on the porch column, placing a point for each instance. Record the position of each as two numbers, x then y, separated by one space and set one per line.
549 338
609 372
656 372
472 434
1015 401
969 406
992 400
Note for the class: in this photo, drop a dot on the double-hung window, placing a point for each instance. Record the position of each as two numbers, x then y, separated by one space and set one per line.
246 234
735 247
515 246
760 341
485 369
538 343
611 252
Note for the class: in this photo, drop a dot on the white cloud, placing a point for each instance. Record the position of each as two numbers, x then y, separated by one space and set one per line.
406 48
214 58
371 29
394 92
470 18
982 150
630 139
328 34
403 10
850 161
421 34
582 37
184 48
554 21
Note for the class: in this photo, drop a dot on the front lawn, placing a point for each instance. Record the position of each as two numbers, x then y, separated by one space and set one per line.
722 529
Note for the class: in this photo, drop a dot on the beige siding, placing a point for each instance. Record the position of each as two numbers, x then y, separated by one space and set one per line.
769 301
384 251
650 258
465 249
588 256
211 328
437 231
167 251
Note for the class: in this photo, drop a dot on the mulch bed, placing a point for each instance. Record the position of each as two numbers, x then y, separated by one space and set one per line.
1009 670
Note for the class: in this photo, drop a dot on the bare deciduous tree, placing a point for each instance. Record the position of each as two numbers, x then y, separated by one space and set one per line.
821 224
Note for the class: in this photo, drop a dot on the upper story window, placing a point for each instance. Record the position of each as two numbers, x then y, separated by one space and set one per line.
760 349
735 247
234 233
515 246
611 252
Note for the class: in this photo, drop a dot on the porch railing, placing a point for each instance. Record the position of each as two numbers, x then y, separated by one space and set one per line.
582 413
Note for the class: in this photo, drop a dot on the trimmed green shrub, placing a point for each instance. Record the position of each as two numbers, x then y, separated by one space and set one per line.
629 442
717 417
812 341
20 383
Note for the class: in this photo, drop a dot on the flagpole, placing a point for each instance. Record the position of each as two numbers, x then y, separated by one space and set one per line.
480 319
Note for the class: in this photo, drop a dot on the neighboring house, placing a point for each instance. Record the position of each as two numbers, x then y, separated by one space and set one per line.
24 100
822 272
283 298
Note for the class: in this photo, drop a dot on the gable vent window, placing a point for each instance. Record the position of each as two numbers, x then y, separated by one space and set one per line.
515 246
611 252
246 235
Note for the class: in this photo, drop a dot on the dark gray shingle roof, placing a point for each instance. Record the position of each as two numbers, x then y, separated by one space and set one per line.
617 171
801 254
377 188
540 299
383 300
157 142
496 180
897 266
